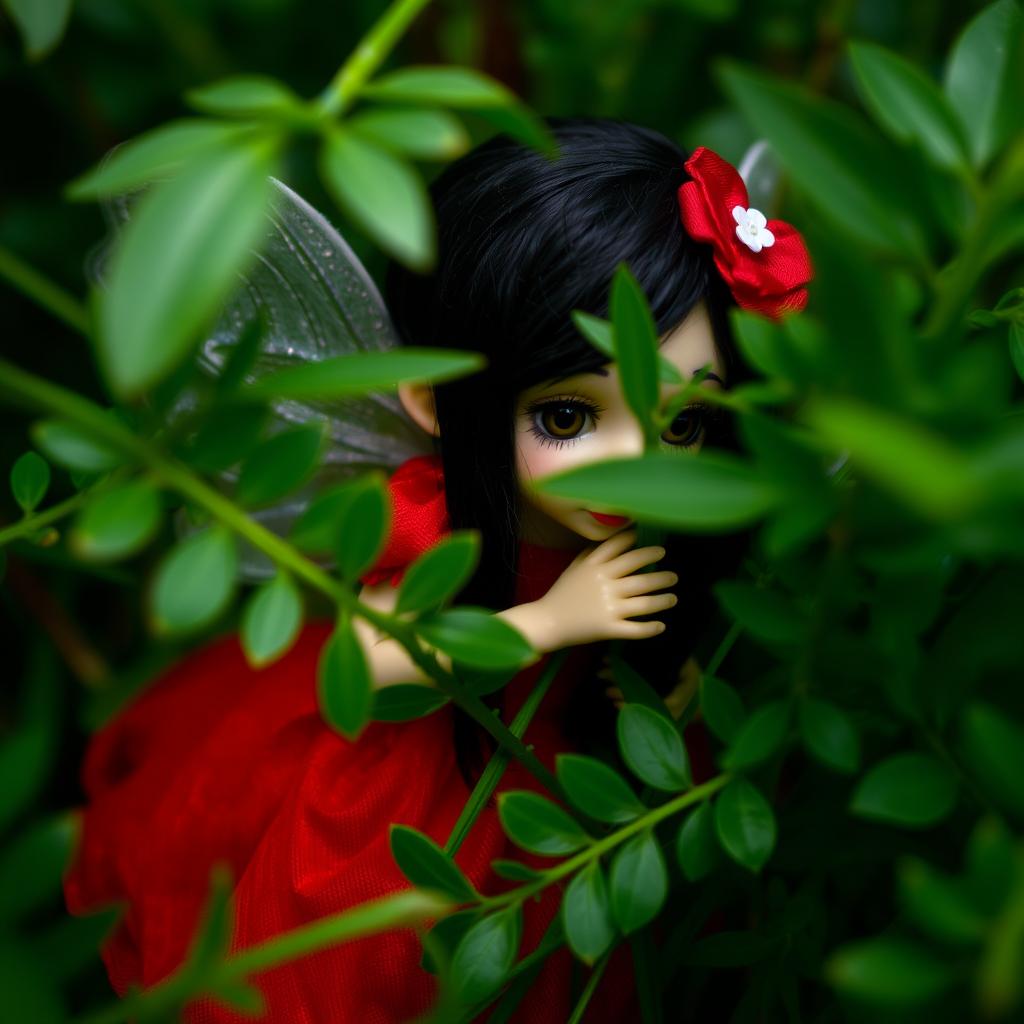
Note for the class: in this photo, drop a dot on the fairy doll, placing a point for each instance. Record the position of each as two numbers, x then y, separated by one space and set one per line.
217 761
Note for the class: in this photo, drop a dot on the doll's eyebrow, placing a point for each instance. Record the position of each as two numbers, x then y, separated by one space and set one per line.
602 372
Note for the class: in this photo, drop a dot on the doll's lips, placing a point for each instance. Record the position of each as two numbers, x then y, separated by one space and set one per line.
610 520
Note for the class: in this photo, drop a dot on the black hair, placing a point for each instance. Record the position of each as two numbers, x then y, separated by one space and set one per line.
522 241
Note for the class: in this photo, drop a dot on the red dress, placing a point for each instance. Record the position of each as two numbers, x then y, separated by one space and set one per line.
216 761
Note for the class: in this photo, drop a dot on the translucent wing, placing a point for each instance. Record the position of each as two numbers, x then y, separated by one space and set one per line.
762 174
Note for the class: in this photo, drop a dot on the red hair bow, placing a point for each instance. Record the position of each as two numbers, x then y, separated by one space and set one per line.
764 262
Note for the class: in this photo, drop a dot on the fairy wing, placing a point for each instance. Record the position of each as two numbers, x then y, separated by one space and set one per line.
762 174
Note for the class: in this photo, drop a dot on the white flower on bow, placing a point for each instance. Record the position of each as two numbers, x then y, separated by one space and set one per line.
751 228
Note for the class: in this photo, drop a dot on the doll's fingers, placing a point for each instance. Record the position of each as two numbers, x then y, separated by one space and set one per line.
614 545
632 560
614 692
645 582
653 603
639 630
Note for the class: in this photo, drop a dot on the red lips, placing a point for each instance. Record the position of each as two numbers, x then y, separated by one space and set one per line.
610 520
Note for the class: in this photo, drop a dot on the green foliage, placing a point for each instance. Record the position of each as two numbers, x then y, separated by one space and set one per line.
271 620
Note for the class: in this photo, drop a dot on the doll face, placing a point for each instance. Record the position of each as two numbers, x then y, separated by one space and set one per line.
584 418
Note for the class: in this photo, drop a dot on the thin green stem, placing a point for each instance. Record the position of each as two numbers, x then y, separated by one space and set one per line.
723 649
42 291
371 52
589 989
39 520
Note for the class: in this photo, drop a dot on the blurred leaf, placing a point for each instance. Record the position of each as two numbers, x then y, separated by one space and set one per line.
420 134
940 906
486 954
519 122
476 637
914 790
636 344
227 435
383 194
363 372
991 865
162 295
439 86
31 866
983 78
117 522
638 882
212 939
344 683
363 525
908 104
278 465
722 708
653 749
40 22
244 96
439 573
890 972
635 689
761 343
745 824
446 934
596 789
829 734
69 446
760 736
69 946
426 865
1017 347
316 530
156 154
539 825
829 153
696 845
767 614
402 702
27 992
993 746
271 620
586 914
195 581
710 493
30 479
915 465
601 335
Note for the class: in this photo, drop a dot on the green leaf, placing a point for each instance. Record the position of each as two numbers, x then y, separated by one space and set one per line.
760 736
993 746
69 446
421 134
940 906
711 493
271 620
991 865
653 748
696 845
829 735
383 194
344 684
913 464
363 372
596 789
439 573
722 708
443 939
40 22
514 871
363 525
316 530
745 824
1017 347
638 882
278 465
636 344
212 938
537 824
914 790
439 86
486 954
767 614
117 522
401 702
178 260
30 478
586 914
426 865
983 81
244 96
761 343
831 155
908 104
195 581
476 637
228 434
31 866
890 972
153 155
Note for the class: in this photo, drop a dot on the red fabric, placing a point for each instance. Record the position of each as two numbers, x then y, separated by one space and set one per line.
217 761
771 281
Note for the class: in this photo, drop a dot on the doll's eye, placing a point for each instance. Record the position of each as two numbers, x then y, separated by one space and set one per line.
687 428
561 421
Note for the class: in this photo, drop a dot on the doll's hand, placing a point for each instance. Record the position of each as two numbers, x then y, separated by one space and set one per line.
599 592
676 701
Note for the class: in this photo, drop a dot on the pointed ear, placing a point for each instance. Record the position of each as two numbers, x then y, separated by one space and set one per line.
418 400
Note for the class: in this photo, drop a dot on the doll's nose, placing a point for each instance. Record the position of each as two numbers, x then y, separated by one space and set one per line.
623 443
